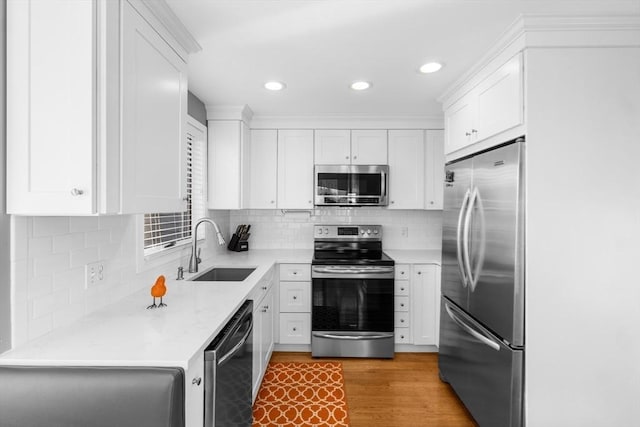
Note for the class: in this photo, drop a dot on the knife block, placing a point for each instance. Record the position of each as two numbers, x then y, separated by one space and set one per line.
238 245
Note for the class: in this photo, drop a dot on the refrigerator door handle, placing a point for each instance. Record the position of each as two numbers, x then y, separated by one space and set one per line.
474 273
459 245
466 240
477 335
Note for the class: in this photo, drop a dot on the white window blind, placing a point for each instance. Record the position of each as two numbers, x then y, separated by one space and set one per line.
167 230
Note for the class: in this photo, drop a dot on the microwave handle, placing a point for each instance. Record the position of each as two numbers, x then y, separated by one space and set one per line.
384 184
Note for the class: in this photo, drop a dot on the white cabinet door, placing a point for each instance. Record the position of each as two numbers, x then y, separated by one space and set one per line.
459 123
295 328
332 147
369 147
226 152
194 391
51 139
434 169
154 103
500 104
295 297
263 169
406 169
295 169
268 324
425 297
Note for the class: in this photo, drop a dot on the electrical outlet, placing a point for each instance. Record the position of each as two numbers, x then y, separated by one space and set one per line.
94 274
404 231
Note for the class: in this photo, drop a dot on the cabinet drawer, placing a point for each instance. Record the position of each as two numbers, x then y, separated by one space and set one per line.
401 287
295 328
295 297
402 335
401 303
295 272
402 319
402 271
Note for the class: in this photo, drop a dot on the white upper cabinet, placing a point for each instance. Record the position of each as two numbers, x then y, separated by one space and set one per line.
434 169
495 105
96 109
295 169
227 153
356 147
263 169
406 169
332 147
369 147
154 102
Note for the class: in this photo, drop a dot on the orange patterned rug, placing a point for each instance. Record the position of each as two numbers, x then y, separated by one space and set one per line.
302 394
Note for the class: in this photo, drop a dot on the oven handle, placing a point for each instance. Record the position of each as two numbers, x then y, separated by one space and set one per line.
353 270
352 337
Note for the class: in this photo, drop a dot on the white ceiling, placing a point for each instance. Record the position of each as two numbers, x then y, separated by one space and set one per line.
318 47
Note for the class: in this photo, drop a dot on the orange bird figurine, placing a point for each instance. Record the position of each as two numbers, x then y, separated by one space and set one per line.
158 290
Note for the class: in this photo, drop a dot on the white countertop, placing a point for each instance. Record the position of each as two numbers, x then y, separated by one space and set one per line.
415 256
127 334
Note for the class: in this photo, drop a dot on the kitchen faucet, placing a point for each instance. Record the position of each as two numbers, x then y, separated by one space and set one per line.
194 260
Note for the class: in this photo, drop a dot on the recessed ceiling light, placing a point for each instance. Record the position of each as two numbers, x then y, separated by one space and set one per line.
274 85
430 67
361 85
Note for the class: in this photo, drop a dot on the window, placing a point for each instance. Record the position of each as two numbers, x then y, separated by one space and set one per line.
164 231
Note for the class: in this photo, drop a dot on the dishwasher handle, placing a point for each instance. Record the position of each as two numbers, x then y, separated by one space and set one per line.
238 346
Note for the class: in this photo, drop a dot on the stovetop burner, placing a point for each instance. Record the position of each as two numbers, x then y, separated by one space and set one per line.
349 245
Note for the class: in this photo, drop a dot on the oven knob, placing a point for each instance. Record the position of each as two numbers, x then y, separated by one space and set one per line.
375 231
362 232
319 230
326 231
369 231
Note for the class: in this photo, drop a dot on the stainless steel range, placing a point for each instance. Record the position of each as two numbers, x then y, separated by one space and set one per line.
352 293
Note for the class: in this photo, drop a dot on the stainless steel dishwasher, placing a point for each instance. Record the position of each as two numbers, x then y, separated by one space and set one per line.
228 368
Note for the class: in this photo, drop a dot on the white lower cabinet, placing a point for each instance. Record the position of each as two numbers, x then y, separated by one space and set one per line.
402 313
295 304
194 391
425 282
263 328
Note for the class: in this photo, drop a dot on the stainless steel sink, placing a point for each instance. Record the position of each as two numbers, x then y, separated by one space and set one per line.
224 274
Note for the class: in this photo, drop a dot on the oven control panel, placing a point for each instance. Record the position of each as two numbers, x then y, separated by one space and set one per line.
348 232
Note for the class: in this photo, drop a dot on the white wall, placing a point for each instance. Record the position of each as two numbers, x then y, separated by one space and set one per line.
5 229
583 229
48 258
271 229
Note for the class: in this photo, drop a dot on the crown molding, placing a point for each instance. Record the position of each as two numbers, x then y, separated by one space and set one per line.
347 122
229 112
165 15
543 30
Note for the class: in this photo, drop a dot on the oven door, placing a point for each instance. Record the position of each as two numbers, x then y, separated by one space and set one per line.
352 311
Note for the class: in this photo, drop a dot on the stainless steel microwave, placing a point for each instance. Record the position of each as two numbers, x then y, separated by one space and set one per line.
351 185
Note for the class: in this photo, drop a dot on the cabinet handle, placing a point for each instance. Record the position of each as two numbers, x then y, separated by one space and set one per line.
402 289
419 272
196 381
273 201
402 272
346 157
295 329
401 320
295 297
295 272
264 288
402 305
467 134
474 130
355 157
266 307
77 192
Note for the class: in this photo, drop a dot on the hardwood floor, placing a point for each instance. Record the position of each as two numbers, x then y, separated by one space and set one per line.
404 391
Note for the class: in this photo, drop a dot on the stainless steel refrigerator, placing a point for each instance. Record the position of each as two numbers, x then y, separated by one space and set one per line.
482 313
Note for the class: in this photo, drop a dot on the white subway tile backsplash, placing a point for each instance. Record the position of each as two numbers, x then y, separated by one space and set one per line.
81 257
83 223
38 326
50 225
97 238
48 264
39 246
51 303
68 242
39 286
